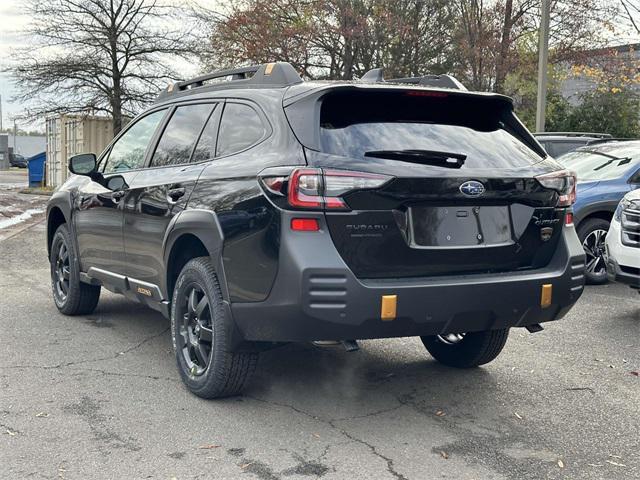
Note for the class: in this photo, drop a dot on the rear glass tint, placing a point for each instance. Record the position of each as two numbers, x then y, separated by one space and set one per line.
602 163
354 123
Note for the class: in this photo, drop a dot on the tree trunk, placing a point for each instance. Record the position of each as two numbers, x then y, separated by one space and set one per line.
502 64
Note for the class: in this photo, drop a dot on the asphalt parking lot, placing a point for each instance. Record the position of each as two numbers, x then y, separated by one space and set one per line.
99 397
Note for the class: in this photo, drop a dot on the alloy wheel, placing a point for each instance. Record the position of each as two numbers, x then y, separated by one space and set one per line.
196 333
593 246
61 272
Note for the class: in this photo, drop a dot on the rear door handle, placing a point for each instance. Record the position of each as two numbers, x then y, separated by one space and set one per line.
176 193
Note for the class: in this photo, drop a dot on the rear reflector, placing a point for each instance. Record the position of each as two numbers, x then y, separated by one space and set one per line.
546 295
388 307
568 218
305 224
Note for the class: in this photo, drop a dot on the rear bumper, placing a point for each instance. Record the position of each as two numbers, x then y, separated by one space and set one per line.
316 297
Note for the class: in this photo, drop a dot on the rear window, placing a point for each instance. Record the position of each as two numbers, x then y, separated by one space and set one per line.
480 129
603 163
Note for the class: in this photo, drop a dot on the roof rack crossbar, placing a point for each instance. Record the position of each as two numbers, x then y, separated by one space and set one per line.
440 81
234 73
277 74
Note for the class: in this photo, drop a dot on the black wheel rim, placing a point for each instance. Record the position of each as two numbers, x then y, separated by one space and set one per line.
593 246
61 272
195 335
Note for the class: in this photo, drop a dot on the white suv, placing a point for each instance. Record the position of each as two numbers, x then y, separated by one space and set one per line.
623 241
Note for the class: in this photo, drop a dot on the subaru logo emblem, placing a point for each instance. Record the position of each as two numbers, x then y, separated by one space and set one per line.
472 188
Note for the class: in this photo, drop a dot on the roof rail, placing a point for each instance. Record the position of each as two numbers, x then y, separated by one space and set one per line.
277 74
573 134
376 75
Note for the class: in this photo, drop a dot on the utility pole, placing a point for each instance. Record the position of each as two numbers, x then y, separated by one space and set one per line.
543 55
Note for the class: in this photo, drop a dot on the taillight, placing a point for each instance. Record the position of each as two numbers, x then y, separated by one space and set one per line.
316 189
563 182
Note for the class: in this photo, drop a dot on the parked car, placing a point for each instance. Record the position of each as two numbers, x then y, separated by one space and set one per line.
559 143
17 160
606 172
623 242
264 209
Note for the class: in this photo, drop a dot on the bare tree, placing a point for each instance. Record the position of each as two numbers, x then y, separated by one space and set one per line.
339 39
96 55
631 13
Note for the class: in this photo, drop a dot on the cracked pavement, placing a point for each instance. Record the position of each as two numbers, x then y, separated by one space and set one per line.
99 397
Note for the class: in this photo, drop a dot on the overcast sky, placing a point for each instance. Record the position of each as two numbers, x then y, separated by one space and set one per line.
13 21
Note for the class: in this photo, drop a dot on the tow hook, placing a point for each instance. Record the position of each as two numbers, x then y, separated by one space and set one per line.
534 328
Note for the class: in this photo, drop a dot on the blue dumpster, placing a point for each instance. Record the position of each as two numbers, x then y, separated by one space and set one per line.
36 169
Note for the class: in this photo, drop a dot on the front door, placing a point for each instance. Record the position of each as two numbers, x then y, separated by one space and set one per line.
99 211
161 191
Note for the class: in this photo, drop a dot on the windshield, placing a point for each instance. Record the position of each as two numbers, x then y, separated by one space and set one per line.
473 129
605 163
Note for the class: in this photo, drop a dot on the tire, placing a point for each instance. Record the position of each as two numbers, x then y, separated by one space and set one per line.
592 240
71 296
201 335
469 350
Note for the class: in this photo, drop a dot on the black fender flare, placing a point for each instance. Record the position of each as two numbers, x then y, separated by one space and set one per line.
204 225
62 200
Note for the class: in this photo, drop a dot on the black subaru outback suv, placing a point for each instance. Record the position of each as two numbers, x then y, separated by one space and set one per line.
252 208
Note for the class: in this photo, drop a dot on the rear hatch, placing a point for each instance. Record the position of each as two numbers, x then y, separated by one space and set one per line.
461 197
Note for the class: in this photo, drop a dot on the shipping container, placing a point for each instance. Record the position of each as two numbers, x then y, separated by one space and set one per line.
69 135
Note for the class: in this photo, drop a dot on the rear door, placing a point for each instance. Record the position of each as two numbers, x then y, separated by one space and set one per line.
161 191
99 215
463 198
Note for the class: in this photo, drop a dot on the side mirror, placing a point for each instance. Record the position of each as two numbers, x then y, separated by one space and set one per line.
83 164
116 183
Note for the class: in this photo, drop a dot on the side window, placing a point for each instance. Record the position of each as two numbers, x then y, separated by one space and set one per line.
180 135
207 142
128 152
240 128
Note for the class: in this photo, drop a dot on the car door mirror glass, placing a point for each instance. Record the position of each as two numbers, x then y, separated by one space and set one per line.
83 164
116 183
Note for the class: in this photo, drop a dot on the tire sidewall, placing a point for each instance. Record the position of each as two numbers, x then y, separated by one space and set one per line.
190 275
62 235
583 231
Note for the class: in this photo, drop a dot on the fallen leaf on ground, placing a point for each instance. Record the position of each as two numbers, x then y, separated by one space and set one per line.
316 435
615 463
444 455
9 432
208 447
637 374
440 413
518 415
42 414
560 463
245 465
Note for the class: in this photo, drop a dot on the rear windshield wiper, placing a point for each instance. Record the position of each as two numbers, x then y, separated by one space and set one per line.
426 157
621 161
